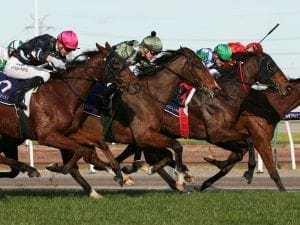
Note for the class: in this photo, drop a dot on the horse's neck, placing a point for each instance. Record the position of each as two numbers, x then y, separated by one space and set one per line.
284 104
81 85
164 83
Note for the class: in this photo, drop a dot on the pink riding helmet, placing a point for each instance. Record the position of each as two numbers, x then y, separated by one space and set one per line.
69 39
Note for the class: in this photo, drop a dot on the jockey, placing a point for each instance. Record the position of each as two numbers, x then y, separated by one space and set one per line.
225 56
136 56
207 56
5 53
28 60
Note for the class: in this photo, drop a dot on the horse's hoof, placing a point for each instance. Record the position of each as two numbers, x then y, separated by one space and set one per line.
128 180
52 167
248 177
180 186
189 179
94 194
34 173
210 159
55 167
119 180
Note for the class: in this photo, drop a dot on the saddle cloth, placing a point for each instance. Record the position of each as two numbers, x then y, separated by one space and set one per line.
8 86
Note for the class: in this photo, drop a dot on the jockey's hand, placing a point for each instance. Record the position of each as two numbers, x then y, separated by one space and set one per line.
56 63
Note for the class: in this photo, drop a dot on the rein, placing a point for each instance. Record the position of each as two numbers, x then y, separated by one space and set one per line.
190 64
65 78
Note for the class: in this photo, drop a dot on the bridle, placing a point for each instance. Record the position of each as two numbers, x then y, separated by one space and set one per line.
86 67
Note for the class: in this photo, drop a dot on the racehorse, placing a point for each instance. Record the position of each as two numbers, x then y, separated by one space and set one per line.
138 120
261 113
55 111
214 119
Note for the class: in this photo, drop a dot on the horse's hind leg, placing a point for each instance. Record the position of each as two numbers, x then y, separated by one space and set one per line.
10 150
20 166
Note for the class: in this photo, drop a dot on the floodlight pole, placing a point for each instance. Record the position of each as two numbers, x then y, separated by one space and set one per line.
36 18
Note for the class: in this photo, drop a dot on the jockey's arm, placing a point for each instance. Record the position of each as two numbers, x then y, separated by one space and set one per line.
56 63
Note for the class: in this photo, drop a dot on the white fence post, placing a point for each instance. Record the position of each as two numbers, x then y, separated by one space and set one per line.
259 164
92 170
292 147
29 147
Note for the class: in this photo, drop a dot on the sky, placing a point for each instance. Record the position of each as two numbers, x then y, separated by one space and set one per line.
191 23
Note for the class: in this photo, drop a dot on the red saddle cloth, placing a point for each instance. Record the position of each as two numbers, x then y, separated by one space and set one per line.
183 112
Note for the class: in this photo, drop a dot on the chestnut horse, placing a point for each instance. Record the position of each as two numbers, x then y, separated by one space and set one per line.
261 126
55 111
214 119
138 113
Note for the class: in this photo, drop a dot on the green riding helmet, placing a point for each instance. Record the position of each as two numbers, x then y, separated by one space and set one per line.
223 51
152 42
13 45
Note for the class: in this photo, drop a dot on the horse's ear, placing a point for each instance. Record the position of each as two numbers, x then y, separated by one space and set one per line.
99 47
107 45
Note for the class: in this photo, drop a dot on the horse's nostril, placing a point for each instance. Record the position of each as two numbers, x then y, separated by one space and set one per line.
289 89
217 91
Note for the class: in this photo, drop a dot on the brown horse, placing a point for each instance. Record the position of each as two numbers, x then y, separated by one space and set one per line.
55 111
214 119
137 121
261 113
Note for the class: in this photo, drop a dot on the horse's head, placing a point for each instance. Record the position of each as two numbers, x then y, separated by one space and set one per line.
196 73
114 65
270 74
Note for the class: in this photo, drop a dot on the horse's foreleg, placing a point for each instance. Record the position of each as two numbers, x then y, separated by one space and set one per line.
265 150
83 137
251 162
162 142
75 173
167 178
221 164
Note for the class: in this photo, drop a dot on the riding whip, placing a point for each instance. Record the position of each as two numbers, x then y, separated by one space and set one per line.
269 32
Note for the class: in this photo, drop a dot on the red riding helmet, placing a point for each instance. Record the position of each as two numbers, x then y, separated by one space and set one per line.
68 39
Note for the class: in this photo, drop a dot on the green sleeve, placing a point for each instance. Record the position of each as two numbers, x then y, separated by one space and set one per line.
2 64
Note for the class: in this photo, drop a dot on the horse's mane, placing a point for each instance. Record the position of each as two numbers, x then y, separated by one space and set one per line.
158 63
166 57
294 80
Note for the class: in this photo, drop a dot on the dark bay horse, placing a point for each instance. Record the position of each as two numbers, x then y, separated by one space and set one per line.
259 118
55 112
214 119
138 109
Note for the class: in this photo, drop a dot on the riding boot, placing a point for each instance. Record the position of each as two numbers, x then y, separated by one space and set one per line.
104 98
18 97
